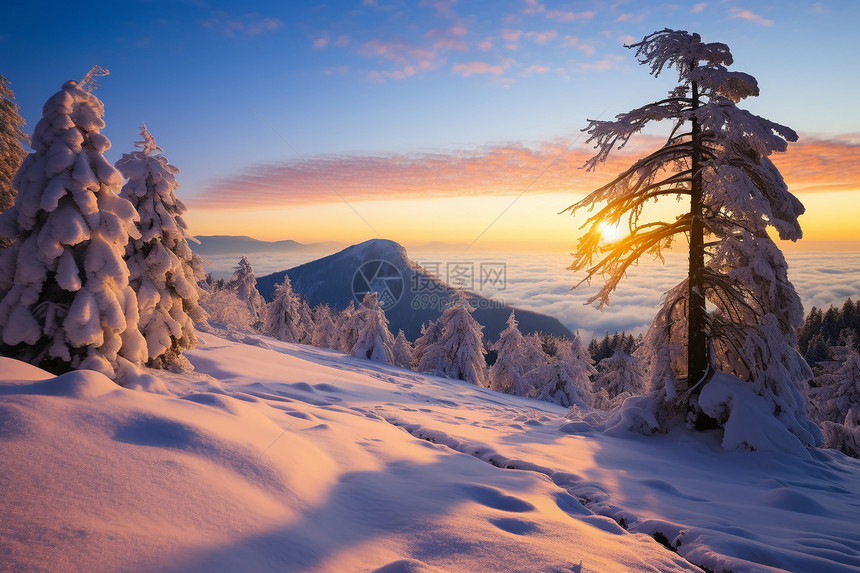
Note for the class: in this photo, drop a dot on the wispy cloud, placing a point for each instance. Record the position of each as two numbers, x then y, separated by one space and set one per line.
444 8
751 16
563 16
542 38
809 166
816 165
574 42
471 68
241 25
700 7
536 69
535 7
449 39
410 59
321 41
630 17
511 37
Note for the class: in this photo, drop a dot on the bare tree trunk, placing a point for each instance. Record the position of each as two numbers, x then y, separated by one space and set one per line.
697 338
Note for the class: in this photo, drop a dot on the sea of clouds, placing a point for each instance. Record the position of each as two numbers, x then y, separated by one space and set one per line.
541 282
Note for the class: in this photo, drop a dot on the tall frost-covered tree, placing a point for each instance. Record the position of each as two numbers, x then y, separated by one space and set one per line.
164 270
68 302
244 284
716 159
12 140
283 314
459 352
374 340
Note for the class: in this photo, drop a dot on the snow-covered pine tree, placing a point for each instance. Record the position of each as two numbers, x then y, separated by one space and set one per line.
225 310
566 380
325 330
836 396
12 153
430 333
283 316
68 302
459 352
164 270
306 321
618 378
716 157
516 356
347 334
244 284
402 351
374 341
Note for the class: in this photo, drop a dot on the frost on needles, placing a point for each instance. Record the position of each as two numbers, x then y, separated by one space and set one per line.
68 303
736 311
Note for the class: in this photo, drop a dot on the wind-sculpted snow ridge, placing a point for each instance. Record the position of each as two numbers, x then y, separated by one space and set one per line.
294 458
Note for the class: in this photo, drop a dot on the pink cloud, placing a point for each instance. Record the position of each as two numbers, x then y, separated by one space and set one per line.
699 7
630 18
321 42
562 16
444 8
536 69
410 59
245 25
751 16
511 35
472 68
542 38
574 42
809 166
450 39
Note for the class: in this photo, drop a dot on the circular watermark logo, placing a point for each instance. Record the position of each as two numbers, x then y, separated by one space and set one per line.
380 277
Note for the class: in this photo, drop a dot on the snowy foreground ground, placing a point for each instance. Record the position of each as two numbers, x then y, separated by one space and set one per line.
300 459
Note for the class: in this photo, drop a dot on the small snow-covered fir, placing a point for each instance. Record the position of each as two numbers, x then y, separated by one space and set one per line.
459 351
430 333
402 351
244 284
164 270
325 331
566 379
618 378
516 356
374 340
283 314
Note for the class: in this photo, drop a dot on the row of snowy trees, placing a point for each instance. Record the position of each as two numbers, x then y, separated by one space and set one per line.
96 273
541 366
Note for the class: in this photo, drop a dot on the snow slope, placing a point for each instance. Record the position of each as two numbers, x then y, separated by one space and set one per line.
293 458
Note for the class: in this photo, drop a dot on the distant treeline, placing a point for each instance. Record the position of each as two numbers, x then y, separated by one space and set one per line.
832 327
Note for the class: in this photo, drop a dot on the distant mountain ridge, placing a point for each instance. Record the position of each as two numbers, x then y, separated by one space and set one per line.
240 244
410 295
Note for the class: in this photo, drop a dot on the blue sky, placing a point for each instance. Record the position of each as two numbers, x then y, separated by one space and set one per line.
231 88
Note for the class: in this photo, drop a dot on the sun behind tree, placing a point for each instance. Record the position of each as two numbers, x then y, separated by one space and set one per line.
715 158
